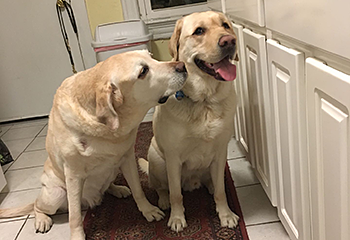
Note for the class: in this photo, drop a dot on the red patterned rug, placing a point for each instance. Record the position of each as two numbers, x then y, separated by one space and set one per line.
120 219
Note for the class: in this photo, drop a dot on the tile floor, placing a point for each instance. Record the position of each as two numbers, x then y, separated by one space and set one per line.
26 141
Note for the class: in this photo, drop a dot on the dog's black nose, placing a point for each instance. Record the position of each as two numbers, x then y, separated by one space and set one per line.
180 67
227 41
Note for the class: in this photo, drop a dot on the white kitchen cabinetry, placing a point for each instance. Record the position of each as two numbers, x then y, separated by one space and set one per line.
259 100
244 133
286 75
328 102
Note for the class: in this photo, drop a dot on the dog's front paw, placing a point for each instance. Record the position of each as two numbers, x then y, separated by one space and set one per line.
42 223
119 191
177 223
153 213
228 219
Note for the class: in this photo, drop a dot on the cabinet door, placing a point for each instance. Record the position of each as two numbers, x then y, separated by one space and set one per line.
259 99
243 110
287 82
328 102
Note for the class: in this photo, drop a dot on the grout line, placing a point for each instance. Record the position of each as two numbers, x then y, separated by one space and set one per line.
237 158
248 185
20 230
263 223
21 190
23 168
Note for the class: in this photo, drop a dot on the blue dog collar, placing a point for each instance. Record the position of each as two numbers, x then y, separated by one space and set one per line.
179 95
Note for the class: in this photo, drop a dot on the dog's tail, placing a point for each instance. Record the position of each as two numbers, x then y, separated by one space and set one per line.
17 212
143 165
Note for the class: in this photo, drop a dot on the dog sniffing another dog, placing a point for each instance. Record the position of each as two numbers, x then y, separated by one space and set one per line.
95 116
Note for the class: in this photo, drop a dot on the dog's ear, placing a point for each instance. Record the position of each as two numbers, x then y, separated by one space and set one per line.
174 43
108 98
236 57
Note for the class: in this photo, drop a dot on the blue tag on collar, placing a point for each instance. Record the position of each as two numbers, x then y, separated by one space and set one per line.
179 95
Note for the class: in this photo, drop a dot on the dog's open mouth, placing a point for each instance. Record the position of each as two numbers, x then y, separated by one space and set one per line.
223 70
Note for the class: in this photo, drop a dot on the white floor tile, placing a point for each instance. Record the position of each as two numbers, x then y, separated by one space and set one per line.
30 159
4 129
9 230
17 199
242 172
37 144
17 146
148 117
234 150
256 206
59 230
23 179
29 123
271 231
20 133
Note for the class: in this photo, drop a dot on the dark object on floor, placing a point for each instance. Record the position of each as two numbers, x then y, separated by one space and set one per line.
120 219
5 155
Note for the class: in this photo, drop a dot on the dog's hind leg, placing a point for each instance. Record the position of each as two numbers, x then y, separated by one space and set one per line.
50 199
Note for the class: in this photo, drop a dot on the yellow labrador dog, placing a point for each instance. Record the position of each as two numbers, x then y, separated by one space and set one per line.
91 135
191 135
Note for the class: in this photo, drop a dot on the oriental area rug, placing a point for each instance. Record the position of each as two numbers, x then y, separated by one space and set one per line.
120 219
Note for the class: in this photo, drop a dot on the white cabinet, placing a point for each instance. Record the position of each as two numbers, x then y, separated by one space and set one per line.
260 111
328 103
324 24
286 75
250 10
243 133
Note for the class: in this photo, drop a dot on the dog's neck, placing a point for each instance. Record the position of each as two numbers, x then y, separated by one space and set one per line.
199 89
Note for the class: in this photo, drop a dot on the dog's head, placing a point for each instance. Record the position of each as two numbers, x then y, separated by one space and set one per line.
135 80
205 41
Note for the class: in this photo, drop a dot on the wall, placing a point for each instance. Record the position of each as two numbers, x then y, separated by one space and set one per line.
105 11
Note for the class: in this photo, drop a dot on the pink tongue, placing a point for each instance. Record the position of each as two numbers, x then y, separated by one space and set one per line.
225 69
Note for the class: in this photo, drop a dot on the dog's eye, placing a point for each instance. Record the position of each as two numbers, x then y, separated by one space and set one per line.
225 25
199 31
143 72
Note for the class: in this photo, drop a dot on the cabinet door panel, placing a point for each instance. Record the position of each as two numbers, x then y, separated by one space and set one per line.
259 99
288 97
243 111
328 102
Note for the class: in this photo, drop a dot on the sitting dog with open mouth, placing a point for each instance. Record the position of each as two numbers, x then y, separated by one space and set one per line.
191 133
91 136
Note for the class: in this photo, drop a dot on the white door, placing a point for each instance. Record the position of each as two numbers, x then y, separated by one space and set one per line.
33 57
328 102
288 88
259 99
243 110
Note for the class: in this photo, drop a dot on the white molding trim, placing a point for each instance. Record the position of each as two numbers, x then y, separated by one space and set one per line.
161 27
130 9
